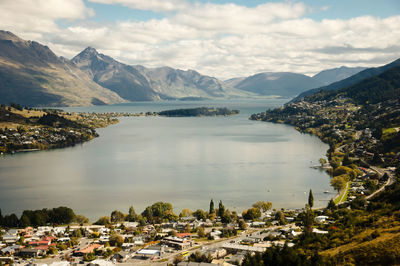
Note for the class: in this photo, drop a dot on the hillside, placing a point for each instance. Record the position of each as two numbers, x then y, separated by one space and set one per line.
284 84
32 75
125 80
367 73
27 129
329 76
361 124
288 84
379 88
138 83
178 83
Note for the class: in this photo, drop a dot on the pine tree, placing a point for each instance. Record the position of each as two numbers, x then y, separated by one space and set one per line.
310 199
211 206
221 209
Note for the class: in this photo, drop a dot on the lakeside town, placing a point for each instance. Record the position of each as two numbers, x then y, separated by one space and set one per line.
215 237
363 155
363 166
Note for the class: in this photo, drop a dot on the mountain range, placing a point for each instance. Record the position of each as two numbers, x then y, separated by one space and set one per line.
289 84
350 81
32 75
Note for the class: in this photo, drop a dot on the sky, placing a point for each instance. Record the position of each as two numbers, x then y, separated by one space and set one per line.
220 38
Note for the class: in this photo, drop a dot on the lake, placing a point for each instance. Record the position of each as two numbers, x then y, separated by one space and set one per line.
184 161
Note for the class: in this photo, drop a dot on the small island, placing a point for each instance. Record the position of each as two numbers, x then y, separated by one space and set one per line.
200 111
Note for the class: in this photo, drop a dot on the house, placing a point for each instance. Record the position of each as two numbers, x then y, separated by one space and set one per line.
321 218
216 253
215 234
177 242
122 256
189 263
87 250
10 250
258 224
39 243
11 236
131 224
29 252
317 231
127 246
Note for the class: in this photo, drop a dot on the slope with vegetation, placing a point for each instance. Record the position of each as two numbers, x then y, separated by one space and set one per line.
25 129
361 124
32 75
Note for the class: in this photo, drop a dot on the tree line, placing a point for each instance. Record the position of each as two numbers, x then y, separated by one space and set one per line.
60 215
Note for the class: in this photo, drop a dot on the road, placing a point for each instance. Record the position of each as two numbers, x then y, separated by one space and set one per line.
342 196
381 172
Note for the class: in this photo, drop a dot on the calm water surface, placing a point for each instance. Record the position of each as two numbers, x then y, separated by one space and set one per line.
185 161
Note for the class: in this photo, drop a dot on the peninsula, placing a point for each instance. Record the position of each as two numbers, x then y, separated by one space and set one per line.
200 111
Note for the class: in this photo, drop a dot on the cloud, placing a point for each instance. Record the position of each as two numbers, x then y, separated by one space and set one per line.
222 40
153 5
32 18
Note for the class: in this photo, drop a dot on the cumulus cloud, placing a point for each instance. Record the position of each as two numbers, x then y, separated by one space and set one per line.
222 40
153 5
32 18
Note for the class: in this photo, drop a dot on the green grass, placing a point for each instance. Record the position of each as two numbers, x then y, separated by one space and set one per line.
346 194
388 133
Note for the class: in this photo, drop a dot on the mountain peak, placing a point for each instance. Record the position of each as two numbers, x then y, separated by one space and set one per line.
90 50
9 36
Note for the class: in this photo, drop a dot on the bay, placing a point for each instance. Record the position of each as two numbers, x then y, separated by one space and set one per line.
185 161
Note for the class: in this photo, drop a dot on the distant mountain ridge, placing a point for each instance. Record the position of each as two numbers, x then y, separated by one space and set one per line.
352 80
378 88
138 83
32 75
284 84
288 84
330 76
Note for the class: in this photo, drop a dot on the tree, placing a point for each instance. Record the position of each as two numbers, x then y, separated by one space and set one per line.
188 228
132 216
177 259
251 214
201 232
331 205
60 215
185 213
346 160
117 216
77 233
200 215
10 220
221 209
159 211
310 199
280 217
263 205
308 220
80 219
105 220
24 221
242 224
338 182
211 207
116 240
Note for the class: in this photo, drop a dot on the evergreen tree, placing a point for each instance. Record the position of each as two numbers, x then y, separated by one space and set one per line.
221 209
310 199
211 206
331 205
132 216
